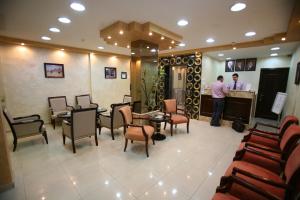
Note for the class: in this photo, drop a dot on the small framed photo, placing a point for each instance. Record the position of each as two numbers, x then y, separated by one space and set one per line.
123 75
229 65
110 72
179 76
297 78
239 65
53 70
250 64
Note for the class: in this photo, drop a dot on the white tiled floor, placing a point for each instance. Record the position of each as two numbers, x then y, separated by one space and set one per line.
185 166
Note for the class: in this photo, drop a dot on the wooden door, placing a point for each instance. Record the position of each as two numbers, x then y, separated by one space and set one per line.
271 81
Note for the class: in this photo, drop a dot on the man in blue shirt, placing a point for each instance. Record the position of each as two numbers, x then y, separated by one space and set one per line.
236 84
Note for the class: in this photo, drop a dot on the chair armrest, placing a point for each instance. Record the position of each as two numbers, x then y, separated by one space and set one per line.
258 153
236 170
28 127
262 147
67 122
261 131
183 110
227 181
95 104
70 107
266 136
29 117
105 114
140 115
264 124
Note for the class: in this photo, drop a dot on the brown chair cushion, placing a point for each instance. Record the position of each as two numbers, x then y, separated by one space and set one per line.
135 133
178 119
224 196
170 105
240 191
264 141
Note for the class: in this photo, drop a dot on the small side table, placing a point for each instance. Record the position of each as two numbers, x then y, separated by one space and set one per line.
157 120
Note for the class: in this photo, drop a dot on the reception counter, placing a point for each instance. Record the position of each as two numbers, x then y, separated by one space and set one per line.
238 104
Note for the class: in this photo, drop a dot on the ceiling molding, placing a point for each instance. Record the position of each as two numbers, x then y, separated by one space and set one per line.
293 31
16 41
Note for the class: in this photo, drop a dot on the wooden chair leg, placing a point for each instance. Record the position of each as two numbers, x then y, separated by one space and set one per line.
146 146
53 123
126 142
171 129
165 125
45 136
153 141
188 126
96 139
100 130
112 134
73 146
64 139
131 141
15 144
175 125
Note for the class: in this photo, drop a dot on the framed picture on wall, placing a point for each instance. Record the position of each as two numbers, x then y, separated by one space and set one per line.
239 65
229 65
123 75
250 64
53 70
179 76
110 72
297 78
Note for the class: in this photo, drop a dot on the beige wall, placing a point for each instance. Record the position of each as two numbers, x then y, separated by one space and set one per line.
210 68
292 105
26 88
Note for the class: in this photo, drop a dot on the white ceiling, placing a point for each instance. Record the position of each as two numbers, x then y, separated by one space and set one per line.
255 52
31 19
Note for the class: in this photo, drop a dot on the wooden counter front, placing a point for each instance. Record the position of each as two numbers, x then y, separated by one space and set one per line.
237 104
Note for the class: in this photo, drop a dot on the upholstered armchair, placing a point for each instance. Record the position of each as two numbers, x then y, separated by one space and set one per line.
112 120
175 115
26 126
84 101
58 105
135 132
83 124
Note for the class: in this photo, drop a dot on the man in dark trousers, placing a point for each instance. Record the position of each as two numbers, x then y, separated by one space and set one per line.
219 91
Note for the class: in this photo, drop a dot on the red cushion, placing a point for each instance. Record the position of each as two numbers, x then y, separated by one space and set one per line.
240 191
264 141
178 119
224 196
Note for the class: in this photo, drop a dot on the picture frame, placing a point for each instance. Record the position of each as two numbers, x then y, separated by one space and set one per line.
179 76
229 65
54 70
123 75
110 72
250 64
239 65
297 77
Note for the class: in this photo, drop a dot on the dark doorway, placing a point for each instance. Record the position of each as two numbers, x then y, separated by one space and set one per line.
271 81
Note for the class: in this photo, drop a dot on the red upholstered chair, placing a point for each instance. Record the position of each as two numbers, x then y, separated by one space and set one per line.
270 138
247 181
133 131
175 117
270 158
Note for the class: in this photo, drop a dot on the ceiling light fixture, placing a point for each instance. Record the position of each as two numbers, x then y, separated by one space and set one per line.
150 33
55 30
274 54
182 44
132 53
250 34
64 20
275 48
238 7
283 39
109 37
121 32
116 44
170 47
62 49
22 44
100 47
148 47
77 6
210 40
172 42
45 38
162 37
182 22
128 46
221 54
228 58
234 48
153 50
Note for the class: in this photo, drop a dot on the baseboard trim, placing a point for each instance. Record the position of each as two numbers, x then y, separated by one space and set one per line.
6 187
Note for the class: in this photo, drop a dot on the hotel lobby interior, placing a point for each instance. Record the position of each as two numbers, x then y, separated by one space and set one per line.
189 100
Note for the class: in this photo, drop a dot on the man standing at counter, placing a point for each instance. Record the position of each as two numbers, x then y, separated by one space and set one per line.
236 84
219 92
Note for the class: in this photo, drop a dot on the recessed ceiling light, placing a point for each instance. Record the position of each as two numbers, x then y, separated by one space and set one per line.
121 32
147 47
45 38
172 42
275 48
228 58
128 46
109 37
210 40
299 21
181 44
116 44
274 54
153 50
238 7
100 47
22 44
132 53
283 38
221 54
250 34
170 47
62 49
162 37
234 48
55 30
150 33
182 22
64 20
77 6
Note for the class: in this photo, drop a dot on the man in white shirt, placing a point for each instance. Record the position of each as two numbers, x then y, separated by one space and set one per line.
236 84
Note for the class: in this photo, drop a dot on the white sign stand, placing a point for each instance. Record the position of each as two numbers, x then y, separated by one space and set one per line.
279 103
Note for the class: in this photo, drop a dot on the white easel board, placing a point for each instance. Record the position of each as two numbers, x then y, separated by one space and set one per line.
279 102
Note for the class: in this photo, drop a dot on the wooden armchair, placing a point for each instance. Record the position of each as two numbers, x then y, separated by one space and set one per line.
25 126
175 117
83 124
58 105
85 101
135 132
